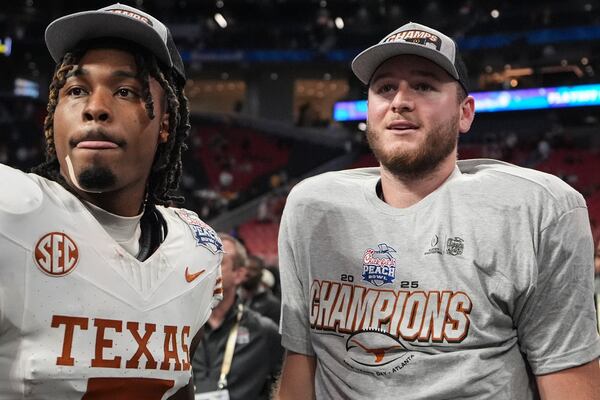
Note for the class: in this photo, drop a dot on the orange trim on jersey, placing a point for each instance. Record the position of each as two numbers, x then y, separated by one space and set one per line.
127 388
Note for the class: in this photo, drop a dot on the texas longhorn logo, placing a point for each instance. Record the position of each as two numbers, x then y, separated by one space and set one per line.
376 351
379 266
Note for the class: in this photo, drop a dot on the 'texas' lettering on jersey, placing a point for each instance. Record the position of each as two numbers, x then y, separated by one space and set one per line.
142 340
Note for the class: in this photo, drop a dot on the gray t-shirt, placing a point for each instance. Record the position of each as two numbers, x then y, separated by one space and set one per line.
464 295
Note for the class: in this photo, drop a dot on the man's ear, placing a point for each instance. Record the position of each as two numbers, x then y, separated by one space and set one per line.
467 114
163 135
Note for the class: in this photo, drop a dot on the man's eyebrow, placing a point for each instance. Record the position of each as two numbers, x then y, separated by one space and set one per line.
426 74
124 74
380 76
77 71
80 71
414 72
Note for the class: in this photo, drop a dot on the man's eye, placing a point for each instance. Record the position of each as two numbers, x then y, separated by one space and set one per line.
423 87
125 92
75 91
386 88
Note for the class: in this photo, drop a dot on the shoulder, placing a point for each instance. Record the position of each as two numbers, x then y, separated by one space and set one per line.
339 179
25 194
510 181
260 323
332 186
191 224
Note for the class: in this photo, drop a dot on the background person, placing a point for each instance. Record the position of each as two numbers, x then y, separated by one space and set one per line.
255 293
247 368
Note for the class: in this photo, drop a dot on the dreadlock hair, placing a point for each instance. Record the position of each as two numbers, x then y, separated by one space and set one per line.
167 165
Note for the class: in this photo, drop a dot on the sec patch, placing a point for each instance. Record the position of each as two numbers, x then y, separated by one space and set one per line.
56 254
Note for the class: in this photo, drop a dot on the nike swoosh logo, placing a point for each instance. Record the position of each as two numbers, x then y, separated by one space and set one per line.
190 277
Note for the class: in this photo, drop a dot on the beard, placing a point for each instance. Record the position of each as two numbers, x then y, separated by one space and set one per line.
439 142
97 178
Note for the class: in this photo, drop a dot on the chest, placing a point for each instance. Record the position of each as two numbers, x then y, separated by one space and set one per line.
84 316
442 280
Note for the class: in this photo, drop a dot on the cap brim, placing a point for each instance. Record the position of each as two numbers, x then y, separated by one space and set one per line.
65 33
366 63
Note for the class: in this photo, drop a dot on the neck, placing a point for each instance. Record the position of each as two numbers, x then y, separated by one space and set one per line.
220 311
404 191
115 205
125 202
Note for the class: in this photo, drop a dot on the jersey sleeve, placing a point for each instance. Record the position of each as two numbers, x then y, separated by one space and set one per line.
24 195
557 325
294 325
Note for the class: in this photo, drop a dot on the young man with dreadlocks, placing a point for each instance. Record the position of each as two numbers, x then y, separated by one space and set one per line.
103 284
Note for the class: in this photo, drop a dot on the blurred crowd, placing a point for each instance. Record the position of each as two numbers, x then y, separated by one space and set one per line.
21 141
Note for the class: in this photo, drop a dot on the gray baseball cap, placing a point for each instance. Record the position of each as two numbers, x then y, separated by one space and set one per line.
116 21
415 39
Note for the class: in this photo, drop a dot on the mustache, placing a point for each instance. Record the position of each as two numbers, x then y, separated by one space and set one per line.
96 135
402 118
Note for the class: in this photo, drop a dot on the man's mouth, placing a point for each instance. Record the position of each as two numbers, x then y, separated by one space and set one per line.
402 125
96 145
96 139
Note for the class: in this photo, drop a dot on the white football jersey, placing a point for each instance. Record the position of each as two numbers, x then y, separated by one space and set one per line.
80 318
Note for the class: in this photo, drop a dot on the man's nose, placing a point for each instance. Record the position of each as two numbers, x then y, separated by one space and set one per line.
97 107
403 100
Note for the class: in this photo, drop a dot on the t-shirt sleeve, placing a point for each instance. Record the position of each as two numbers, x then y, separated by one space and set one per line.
294 325
557 325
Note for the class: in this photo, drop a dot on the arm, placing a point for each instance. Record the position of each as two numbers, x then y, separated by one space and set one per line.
297 378
581 383
557 324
